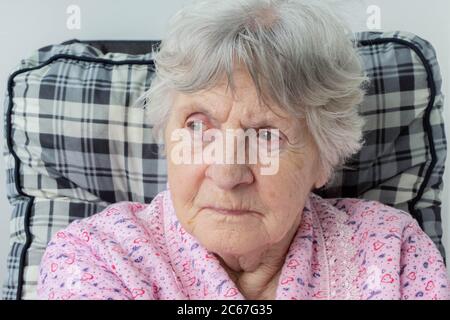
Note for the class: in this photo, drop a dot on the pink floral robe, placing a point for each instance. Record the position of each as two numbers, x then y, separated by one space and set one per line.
345 248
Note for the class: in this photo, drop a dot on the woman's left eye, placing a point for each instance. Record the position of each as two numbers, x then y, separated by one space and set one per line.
269 134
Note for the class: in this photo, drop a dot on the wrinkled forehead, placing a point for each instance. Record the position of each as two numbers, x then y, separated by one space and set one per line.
241 97
220 104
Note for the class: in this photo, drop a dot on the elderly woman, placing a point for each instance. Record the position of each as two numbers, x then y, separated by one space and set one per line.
287 71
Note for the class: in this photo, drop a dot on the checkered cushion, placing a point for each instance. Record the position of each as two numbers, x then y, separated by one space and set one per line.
76 141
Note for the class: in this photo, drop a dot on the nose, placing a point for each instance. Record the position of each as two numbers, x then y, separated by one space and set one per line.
229 176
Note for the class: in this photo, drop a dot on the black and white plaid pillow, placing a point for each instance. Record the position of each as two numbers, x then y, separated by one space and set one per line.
75 141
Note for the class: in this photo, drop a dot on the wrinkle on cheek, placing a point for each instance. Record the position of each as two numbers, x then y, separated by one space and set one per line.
190 217
299 170
185 195
190 221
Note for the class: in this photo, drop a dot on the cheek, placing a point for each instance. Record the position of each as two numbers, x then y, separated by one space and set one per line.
285 193
184 179
282 195
291 180
184 182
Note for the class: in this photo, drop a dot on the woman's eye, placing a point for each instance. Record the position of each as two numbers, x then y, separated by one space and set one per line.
269 134
195 125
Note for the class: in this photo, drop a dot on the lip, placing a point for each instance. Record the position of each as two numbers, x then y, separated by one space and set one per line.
229 212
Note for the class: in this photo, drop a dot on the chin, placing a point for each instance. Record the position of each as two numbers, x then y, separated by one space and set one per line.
227 242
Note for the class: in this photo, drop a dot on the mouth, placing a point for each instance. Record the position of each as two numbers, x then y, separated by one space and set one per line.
228 212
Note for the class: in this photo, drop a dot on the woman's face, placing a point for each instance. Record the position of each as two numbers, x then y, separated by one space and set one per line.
234 209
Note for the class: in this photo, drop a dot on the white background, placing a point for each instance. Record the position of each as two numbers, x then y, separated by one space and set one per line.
26 25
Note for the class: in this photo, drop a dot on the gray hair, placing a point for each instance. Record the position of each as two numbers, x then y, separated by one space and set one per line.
299 54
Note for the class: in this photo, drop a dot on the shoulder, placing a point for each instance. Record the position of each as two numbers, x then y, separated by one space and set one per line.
366 219
118 221
377 227
393 257
91 256
388 254
377 219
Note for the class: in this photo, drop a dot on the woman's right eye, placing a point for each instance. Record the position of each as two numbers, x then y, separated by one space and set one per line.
197 122
195 125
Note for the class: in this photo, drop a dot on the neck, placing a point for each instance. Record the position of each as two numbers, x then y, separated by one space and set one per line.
256 274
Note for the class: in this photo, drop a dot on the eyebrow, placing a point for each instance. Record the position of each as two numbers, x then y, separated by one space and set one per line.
255 124
251 123
201 108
